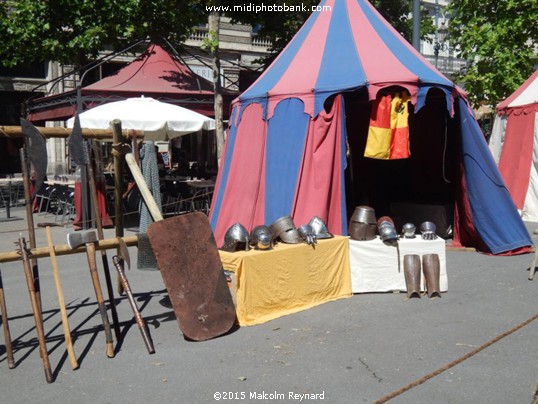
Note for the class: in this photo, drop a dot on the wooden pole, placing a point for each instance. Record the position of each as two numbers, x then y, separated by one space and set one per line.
118 187
118 176
64 249
100 236
5 326
25 167
36 309
59 132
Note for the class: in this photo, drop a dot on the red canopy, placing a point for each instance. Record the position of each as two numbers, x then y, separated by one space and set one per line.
155 73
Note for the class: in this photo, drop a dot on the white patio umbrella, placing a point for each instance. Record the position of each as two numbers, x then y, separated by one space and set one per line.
158 120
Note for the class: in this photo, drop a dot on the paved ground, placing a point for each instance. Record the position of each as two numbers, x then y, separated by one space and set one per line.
353 350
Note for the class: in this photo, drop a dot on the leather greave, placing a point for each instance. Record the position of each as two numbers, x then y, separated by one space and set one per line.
412 274
431 268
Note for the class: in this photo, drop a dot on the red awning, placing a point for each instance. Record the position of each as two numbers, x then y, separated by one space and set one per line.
58 113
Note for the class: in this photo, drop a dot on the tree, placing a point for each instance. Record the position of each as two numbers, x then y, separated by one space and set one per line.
212 43
498 39
74 31
280 27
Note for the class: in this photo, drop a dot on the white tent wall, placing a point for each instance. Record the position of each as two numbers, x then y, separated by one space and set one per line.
497 136
530 208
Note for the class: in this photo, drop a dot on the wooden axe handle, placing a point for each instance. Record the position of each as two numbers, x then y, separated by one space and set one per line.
61 302
142 186
36 310
5 326
90 251
138 317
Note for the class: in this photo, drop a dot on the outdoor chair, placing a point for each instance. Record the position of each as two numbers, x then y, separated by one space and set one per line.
201 201
66 205
172 200
47 194
4 197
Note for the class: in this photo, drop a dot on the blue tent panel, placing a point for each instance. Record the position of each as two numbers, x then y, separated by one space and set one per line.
286 135
495 216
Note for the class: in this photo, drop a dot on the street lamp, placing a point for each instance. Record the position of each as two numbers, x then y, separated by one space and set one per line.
440 38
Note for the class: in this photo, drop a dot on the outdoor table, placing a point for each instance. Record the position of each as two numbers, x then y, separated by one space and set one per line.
206 185
374 265
287 279
69 183
201 194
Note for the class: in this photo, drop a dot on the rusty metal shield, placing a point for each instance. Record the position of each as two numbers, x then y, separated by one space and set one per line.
191 268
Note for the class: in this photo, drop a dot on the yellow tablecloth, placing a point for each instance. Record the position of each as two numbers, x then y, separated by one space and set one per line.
287 279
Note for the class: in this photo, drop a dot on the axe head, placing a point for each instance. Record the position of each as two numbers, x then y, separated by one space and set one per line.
77 147
124 252
77 239
36 148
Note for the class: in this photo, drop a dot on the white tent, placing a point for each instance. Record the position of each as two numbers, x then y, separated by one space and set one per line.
514 145
158 120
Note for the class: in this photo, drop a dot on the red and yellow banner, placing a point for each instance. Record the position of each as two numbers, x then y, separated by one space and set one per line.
388 134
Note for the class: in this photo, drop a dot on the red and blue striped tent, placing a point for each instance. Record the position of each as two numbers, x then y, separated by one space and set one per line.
297 136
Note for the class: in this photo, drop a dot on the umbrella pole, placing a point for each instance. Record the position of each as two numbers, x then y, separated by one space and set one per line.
118 176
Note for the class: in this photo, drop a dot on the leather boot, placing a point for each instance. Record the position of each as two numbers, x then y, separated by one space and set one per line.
431 269
412 275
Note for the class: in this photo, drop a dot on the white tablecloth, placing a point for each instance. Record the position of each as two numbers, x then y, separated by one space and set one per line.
374 265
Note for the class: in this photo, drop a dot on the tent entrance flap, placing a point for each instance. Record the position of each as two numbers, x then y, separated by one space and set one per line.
413 189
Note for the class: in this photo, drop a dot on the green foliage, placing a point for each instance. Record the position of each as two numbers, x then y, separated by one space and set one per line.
211 42
498 39
73 31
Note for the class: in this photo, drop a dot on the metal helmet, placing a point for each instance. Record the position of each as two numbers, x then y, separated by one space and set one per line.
427 226
236 238
319 228
364 214
261 238
285 229
384 220
408 230
362 224
386 229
